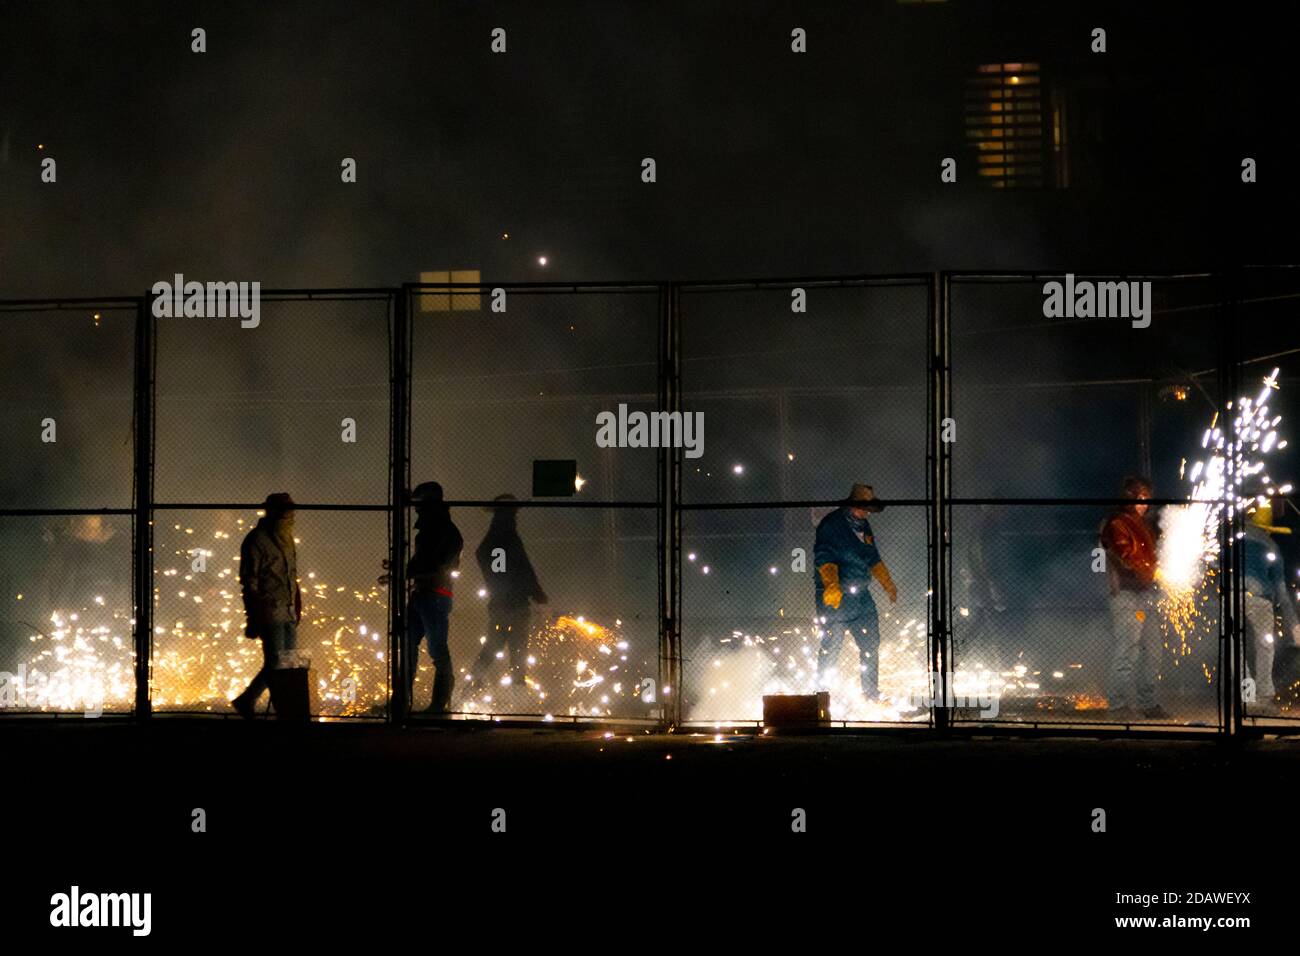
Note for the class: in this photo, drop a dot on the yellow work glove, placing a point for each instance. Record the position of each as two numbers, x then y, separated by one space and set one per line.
881 574
831 594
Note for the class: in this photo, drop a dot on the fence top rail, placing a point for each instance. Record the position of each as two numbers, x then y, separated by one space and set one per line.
536 286
1002 277
847 281
104 302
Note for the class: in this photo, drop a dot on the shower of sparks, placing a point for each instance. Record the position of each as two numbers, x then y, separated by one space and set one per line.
574 666
201 659
1189 539
739 669
83 659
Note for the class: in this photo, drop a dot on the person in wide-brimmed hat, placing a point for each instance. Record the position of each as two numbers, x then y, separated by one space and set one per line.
846 558
511 582
268 577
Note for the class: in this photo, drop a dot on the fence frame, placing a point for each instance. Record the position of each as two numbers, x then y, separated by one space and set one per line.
938 496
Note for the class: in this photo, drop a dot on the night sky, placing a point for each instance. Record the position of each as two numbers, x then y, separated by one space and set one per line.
770 163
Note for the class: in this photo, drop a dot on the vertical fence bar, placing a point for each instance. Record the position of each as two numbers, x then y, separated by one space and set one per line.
142 557
400 464
1232 606
940 494
670 630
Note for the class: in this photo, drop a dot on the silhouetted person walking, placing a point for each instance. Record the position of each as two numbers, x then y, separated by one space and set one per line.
437 554
268 576
511 582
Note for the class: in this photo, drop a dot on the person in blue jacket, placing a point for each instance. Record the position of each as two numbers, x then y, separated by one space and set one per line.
846 558
1266 598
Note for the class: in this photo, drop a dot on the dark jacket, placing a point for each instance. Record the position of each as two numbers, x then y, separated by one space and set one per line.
518 582
268 577
838 544
437 552
1130 543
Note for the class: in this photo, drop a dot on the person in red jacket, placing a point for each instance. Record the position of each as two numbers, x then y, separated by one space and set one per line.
1129 536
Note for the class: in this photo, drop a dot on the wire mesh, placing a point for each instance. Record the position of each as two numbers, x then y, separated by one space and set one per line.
65 407
202 658
752 624
1052 412
585 647
800 405
299 404
805 390
66 399
491 392
1268 640
66 634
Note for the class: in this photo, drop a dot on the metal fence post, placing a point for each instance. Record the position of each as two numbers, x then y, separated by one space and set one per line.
399 464
670 483
142 556
940 493
1232 617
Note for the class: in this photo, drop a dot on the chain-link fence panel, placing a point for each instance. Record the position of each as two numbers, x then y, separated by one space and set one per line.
753 622
66 391
1268 349
1040 635
300 403
553 615
1064 405
201 656
493 391
66 429
66 634
1092 390
805 390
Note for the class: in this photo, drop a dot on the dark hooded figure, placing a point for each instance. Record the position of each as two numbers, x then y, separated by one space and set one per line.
511 582
438 545
268 576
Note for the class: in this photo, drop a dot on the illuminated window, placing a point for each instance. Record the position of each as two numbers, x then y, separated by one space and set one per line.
448 300
1016 128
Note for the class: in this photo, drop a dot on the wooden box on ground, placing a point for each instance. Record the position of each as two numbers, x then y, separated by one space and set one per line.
781 711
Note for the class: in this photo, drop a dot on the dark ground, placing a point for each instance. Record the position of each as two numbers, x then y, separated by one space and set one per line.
340 823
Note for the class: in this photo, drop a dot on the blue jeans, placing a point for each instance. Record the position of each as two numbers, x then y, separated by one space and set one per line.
865 628
427 614
277 637
1137 649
